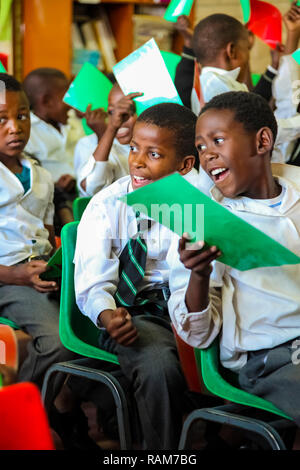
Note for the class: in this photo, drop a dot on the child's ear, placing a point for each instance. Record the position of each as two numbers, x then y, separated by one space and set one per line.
264 140
230 51
187 164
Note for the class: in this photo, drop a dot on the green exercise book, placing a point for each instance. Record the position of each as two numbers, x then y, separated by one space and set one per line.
177 204
90 86
145 71
53 267
177 8
2 69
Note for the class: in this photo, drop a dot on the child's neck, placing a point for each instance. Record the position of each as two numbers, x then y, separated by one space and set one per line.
12 163
45 118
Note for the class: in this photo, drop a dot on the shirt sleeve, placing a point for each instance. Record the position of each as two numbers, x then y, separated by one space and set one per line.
97 175
96 265
284 89
198 329
49 213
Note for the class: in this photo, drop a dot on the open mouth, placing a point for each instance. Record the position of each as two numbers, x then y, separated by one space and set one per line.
139 181
16 143
219 174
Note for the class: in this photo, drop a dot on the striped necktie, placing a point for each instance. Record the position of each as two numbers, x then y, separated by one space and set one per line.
132 267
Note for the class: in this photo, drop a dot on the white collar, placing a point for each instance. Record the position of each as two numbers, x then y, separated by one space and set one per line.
228 73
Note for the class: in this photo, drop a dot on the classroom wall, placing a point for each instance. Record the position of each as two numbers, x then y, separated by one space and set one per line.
260 54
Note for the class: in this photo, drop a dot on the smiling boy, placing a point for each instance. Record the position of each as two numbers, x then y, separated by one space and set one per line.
138 330
256 313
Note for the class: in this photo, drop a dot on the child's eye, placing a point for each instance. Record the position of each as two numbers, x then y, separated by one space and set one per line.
201 147
132 148
22 117
2 120
219 140
154 155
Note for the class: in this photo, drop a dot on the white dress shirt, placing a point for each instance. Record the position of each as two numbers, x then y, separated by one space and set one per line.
253 309
99 175
215 81
23 216
104 230
51 147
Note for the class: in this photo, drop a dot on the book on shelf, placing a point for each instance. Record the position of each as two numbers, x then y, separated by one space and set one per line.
106 42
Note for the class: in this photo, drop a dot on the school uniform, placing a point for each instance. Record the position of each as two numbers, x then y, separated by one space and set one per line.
23 216
51 147
215 81
255 312
99 175
151 364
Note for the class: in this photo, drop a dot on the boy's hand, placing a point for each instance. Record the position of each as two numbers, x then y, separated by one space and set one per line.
276 54
124 109
66 183
183 26
197 258
119 325
96 120
27 274
291 18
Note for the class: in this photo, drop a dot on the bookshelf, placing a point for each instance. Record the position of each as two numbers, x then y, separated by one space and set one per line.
47 29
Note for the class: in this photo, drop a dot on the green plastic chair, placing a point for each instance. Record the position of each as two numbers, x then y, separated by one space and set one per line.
79 205
238 413
80 335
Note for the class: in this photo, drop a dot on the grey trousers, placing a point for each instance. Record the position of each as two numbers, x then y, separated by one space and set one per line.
37 314
274 374
152 367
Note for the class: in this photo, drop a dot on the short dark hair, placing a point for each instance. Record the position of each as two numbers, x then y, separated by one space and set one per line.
213 33
178 119
10 82
39 81
250 109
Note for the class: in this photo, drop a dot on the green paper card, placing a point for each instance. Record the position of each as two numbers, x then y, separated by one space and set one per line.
296 55
90 86
53 267
246 7
171 60
177 204
2 69
145 71
177 8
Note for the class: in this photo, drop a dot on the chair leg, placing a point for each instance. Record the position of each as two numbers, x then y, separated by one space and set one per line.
77 368
220 415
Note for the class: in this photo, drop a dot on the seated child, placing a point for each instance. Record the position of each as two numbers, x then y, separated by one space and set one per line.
256 313
102 158
224 54
45 88
26 242
135 319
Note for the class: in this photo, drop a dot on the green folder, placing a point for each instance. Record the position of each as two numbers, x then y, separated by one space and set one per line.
90 86
177 8
2 69
242 245
296 55
145 71
53 267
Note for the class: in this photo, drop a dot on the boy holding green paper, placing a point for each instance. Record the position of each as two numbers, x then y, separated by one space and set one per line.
256 313
101 158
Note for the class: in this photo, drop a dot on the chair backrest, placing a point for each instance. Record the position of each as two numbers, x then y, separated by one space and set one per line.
79 205
8 347
77 331
224 384
23 420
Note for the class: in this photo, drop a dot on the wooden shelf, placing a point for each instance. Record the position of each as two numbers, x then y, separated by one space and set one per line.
47 30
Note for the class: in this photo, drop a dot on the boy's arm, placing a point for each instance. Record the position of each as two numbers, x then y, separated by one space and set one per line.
194 306
184 76
27 274
96 266
124 109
